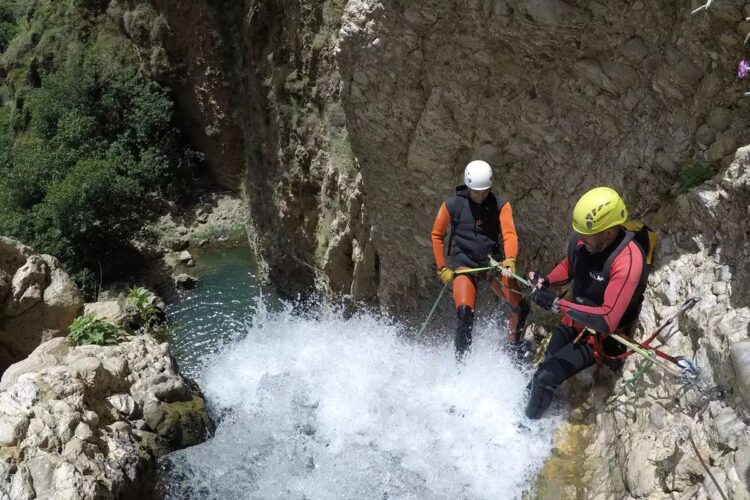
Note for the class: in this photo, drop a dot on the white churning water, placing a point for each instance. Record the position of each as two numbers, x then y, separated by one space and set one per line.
332 408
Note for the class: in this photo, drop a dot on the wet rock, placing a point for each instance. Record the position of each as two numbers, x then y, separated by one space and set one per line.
179 244
556 12
666 163
724 145
725 12
185 281
634 49
739 353
591 70
184 257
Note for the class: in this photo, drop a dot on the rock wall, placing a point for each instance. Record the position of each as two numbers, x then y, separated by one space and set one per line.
640 435
259 93
88 422
558 97
37 301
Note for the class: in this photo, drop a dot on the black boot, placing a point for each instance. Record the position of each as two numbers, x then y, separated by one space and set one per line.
464 328
540 398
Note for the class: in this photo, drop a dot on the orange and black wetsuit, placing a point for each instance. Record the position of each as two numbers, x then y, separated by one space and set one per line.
475 233
608 289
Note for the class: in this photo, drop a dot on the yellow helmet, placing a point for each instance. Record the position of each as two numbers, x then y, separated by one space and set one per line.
597 210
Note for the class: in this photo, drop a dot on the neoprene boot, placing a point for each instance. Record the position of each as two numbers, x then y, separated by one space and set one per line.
464 327
540 398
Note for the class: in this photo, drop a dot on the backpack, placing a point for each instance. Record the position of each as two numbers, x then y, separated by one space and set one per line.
645 237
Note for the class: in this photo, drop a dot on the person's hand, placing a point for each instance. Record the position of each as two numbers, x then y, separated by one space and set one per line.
545 298
538 280
508 267
445 274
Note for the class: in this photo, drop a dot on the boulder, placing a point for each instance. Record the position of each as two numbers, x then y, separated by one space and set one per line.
90 421
38 301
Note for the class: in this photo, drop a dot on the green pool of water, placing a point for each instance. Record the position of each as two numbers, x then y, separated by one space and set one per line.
218 309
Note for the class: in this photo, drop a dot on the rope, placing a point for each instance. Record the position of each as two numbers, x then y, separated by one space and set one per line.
695 448
474 270
688 304
650 355
432 311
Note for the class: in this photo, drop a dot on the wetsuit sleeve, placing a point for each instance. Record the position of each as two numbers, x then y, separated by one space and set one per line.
561 273
510 238
623 282
439 228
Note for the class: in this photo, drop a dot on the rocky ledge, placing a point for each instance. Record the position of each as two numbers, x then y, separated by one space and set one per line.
88 422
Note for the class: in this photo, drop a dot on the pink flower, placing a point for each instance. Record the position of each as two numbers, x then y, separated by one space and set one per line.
743 69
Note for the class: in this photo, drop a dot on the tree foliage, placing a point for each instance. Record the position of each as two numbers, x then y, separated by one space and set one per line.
92 156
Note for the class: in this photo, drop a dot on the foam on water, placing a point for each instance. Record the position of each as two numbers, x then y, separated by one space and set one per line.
324 408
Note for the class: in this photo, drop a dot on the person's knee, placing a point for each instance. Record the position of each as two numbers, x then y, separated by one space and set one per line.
547 376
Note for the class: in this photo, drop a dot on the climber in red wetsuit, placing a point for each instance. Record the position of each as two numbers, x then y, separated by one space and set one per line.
607 265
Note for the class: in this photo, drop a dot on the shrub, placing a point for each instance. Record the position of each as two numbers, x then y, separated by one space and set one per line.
96 157
88 330
139 298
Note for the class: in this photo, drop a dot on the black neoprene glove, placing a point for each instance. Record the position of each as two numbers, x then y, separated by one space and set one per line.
544 297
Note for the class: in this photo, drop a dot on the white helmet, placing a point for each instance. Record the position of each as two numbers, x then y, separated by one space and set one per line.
478 175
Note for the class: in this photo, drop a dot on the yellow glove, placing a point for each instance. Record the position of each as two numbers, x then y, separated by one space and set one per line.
445 274
510 263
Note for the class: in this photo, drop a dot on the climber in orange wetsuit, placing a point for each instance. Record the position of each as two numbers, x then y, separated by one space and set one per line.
478 220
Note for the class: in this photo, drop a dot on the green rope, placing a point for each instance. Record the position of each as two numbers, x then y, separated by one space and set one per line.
647 355
639 373
432 311
474 270
521 280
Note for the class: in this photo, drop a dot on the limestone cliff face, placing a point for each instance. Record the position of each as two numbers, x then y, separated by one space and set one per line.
558 97
257 85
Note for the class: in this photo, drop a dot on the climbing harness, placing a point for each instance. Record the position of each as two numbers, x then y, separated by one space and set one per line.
680 367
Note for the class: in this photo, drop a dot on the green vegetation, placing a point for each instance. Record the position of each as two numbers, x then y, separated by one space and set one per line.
215 232
90 330
8 27
341 150
151 318
694 175
89 150
139 297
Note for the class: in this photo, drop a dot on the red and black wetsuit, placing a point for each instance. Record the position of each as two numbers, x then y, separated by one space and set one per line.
608 286
607 291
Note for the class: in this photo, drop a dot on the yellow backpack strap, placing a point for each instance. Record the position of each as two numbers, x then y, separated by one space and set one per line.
636 227
652 238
